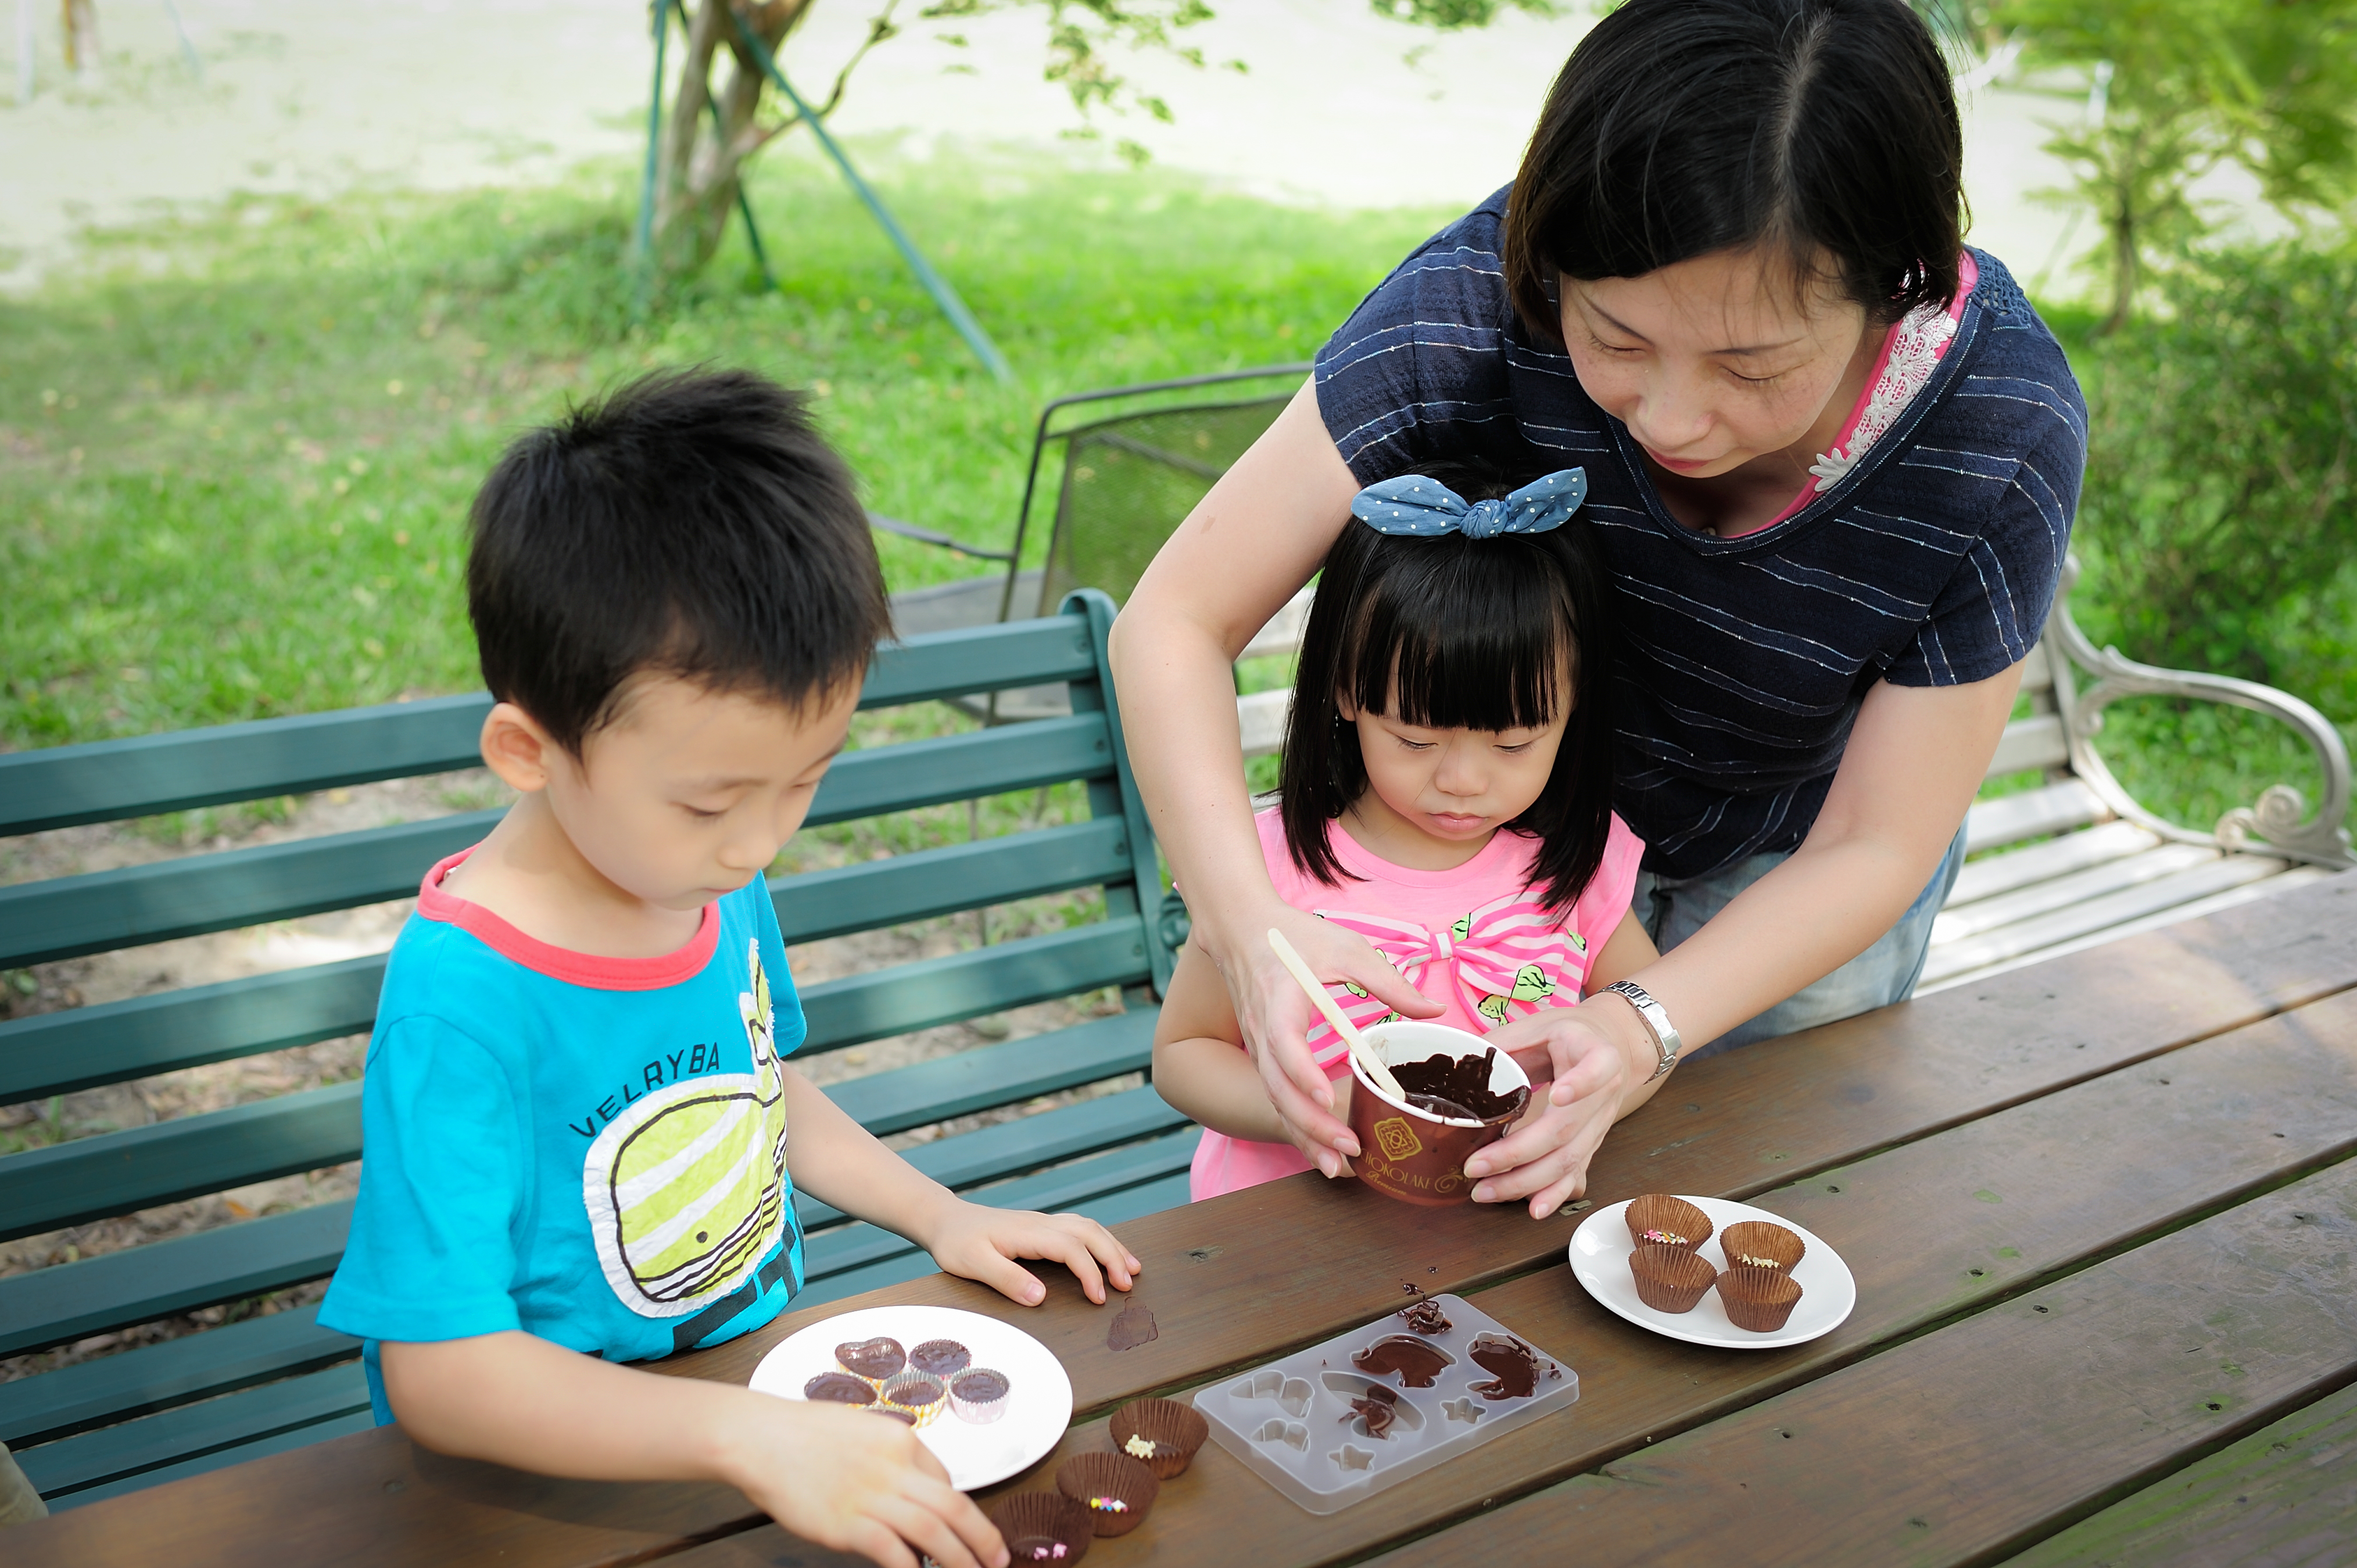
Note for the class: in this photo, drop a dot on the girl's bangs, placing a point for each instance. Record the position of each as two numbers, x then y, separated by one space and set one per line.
1463 654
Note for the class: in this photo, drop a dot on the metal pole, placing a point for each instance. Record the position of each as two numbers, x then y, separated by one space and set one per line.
645 246
187 49
932 282
24 51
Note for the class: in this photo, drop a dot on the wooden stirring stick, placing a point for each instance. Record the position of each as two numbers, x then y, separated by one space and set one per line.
1377 1072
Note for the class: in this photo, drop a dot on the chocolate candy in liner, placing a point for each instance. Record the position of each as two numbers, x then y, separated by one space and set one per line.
1670 1279
919 1395
1161 1435
1043 1527
1658 1219
1115 1490
839 1388
1756 1244
978 1395
941 1358
876 1359
1757 1301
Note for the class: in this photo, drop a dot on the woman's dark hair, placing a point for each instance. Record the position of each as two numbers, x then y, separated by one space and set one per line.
691 523
1805 128
1452 632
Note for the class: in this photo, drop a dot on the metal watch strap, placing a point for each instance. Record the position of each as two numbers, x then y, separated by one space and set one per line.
1665 1034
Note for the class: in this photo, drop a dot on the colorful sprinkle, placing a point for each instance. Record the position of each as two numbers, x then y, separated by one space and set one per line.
1109 1505
1748 1262
1665 1237
1140 1447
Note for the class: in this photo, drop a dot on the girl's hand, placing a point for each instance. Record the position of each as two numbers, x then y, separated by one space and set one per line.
1276 1016
847 1480
1583 1074
981 1243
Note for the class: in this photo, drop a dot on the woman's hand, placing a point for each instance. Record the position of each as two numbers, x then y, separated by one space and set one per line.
1585 1075
1276 1015
978 1242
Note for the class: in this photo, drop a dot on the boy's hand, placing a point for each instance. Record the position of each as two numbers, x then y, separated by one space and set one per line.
857 1482
982 1243
1580 1079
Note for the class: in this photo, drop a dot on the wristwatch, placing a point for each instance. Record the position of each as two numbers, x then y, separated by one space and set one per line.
1665 1034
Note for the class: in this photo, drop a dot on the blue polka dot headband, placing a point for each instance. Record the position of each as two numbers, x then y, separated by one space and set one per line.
1412 504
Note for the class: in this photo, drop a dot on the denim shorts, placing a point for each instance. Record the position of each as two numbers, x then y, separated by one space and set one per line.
1672 910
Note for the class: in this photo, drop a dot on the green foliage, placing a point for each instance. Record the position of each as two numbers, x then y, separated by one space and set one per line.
240 448
2183 86
2221 498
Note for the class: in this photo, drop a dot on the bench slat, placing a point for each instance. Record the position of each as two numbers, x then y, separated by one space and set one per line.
1027 1143
58 1053
135 1446
117 1173
819 903
70 916
164 1376
2062 892
66 1302
864 1007
1992 875
2034 742
2164 894
984 1076
969 661
2009 819
111 780
917 773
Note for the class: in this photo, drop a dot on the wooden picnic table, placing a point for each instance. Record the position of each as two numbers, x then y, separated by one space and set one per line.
2102 1217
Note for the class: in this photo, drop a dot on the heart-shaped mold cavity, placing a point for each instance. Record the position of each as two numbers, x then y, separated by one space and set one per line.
1463 1409
1288 1432
1354 1457
1292 1393
1353 1388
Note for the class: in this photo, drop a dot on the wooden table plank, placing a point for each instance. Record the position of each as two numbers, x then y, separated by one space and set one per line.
2285 1495
1319 1257
2078 1176
1974 1440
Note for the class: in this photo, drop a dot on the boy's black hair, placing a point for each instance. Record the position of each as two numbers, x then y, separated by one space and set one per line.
691 523
1807 128
1461 633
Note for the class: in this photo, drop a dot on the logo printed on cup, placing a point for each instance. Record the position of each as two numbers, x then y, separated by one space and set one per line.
1398 1139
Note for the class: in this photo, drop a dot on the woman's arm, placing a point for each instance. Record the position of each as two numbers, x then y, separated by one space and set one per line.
1914 761
1253 541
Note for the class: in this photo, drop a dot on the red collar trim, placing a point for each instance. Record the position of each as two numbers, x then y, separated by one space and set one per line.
563 964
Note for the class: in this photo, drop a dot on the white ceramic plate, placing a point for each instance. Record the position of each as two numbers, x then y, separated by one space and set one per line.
1599 1257
1038 1402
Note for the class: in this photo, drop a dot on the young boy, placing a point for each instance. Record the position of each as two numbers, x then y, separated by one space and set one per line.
577 1107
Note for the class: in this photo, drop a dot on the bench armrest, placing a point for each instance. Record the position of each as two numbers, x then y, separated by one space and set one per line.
2279 823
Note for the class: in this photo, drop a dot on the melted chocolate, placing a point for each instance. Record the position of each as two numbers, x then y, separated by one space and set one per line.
915 1391
839 1388
1132 1326
980 1386
1513 1365
1416 1363
1425 1317
1458 1087
1379 1409
940 1357
875 1359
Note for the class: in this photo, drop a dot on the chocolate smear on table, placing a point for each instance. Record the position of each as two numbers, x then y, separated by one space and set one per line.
1379 1409
1132 1326
1458 1087
1513 1365
839 1388
1425 1314
1416 1364
941 1358
875 1359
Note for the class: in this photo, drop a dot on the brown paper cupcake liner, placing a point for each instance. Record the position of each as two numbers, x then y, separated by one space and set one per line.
1670 1279
1756 1244
1043 1527
1758 1300
1115 1490
1658 1219
1161 1435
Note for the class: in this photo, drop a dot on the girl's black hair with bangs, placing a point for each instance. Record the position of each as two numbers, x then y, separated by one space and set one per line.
1460 633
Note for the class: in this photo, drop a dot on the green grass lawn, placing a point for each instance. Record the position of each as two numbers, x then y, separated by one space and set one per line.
239 448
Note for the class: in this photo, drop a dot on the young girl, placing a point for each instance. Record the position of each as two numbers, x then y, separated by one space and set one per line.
1446 795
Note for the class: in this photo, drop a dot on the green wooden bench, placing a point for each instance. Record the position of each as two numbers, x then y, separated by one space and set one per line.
133 1419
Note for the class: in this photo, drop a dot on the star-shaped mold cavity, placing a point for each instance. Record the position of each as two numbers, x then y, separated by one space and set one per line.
1463 1409
1354 1457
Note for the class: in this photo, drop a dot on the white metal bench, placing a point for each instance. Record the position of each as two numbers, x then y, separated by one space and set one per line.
2076 861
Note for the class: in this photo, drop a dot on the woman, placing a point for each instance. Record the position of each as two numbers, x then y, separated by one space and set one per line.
1834 459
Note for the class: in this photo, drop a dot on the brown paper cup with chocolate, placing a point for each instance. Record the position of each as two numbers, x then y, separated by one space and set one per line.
1043 1527
1659 1219
1756 1244
1670 1279
1414 1155
1115 1490
1757 1301
1161 1435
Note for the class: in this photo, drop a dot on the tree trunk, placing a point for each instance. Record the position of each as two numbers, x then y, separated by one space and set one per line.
698 162
81 36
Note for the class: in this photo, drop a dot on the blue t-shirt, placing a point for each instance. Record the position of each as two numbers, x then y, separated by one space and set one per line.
591 1150
1739 662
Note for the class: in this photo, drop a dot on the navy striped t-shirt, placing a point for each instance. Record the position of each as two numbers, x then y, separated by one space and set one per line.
1740 662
